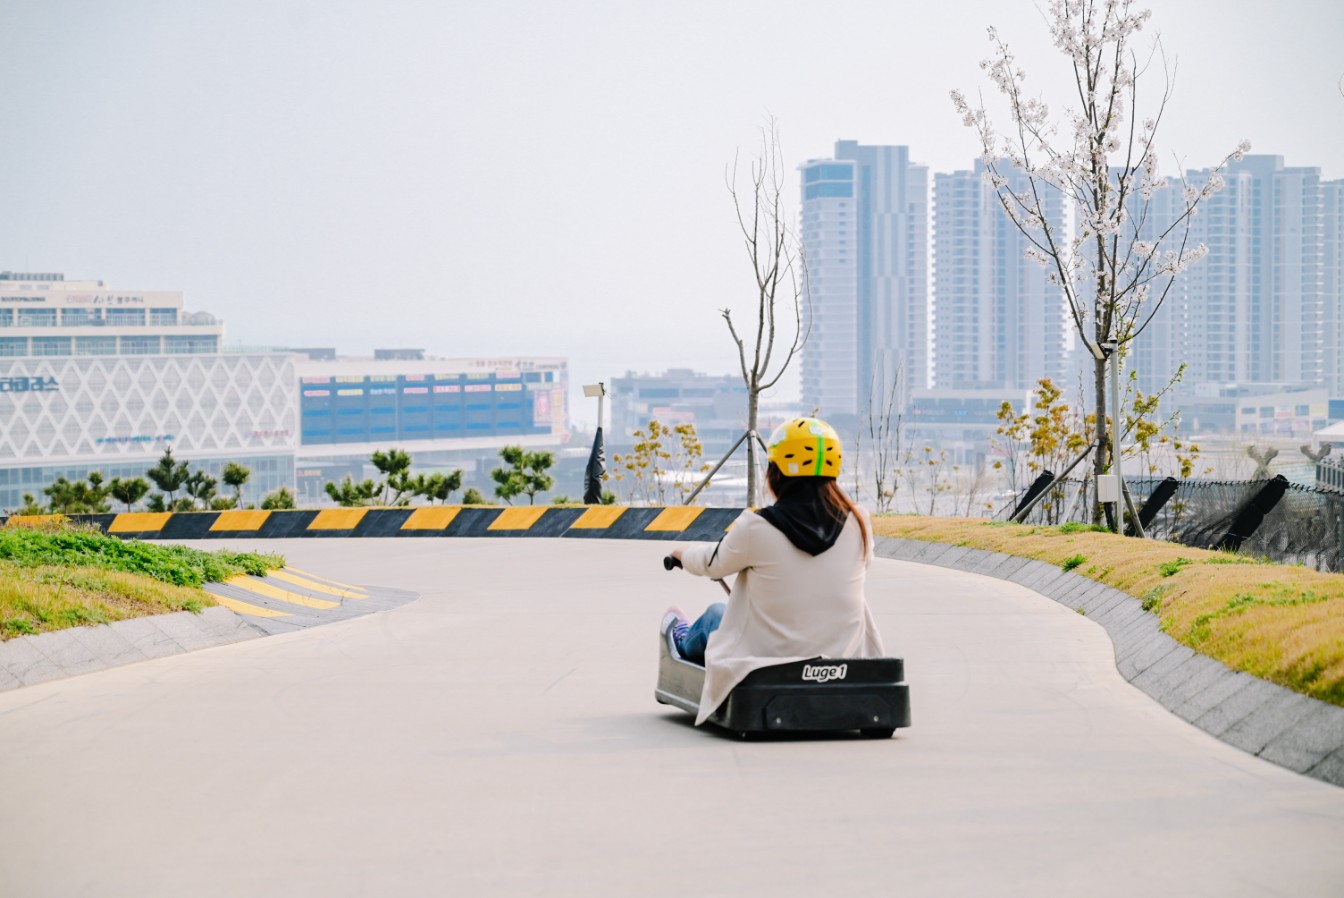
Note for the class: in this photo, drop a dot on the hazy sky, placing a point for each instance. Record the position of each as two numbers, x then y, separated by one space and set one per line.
542 178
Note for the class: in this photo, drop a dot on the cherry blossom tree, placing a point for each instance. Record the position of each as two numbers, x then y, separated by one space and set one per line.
1130 236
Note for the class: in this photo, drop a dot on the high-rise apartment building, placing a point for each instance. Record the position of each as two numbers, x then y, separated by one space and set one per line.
997 321
865 241
1332 193
1258 308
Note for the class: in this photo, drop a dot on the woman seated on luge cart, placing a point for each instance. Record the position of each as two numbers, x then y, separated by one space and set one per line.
800 564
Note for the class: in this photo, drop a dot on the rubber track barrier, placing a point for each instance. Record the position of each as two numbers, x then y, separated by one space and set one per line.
590 522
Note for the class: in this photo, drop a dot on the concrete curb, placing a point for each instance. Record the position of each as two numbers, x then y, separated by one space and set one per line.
28 660
1286 728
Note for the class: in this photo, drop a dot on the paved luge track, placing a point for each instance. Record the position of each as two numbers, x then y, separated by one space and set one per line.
498 736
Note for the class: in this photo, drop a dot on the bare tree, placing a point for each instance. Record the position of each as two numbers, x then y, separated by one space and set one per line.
1119 265
887 433
777 263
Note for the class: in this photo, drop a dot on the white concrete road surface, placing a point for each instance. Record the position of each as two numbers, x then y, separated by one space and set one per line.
498 736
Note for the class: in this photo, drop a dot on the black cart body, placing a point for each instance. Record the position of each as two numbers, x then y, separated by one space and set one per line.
820 695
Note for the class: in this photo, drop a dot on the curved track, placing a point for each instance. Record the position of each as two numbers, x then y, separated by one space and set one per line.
498 736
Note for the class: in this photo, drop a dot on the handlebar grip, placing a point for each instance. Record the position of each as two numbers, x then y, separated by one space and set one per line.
671 561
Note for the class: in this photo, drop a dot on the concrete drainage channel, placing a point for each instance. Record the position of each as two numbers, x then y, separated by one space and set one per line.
1292 730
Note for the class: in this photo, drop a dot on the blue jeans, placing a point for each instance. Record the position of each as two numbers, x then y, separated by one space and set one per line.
693 641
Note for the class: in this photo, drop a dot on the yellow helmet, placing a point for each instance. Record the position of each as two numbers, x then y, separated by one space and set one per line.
805 447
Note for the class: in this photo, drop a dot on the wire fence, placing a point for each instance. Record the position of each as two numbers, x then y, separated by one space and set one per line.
1285 522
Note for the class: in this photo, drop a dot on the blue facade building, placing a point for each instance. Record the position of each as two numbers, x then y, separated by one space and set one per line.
411 407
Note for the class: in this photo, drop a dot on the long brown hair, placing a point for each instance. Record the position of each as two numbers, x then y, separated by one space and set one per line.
838 505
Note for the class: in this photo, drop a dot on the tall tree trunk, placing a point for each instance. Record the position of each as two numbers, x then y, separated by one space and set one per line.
1101 454
753 403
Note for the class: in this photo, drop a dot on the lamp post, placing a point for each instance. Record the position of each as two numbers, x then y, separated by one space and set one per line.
598 390
597 465
1113 353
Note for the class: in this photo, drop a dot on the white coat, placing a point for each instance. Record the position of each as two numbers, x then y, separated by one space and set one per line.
786 605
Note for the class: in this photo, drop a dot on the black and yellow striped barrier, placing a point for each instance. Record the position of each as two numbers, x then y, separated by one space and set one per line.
590 522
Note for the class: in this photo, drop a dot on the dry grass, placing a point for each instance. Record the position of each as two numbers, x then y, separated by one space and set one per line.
1284 624
45 598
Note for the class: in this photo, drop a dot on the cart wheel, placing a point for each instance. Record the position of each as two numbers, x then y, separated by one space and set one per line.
877 732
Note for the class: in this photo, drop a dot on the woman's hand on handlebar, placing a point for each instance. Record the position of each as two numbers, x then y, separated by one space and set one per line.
672 560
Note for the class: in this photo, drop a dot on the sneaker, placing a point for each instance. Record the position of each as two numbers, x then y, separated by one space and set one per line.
674 626
672 617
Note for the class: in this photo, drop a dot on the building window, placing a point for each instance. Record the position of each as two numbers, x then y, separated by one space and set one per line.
51 345
6 317
140 346
13 346
95 346
163 317
80 318
126 317
190 345
37 317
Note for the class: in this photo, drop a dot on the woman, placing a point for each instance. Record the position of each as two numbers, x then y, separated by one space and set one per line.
800 565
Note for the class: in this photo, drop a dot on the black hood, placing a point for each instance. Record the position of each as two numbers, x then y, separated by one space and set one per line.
805 521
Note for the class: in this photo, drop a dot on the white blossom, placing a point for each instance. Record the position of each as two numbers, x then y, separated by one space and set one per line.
1104 166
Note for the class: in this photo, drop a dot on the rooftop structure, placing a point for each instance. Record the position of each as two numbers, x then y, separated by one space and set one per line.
44 315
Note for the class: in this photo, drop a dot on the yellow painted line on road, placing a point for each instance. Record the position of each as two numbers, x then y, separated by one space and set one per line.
252 585
238 607
327 580
139 521
240 520
518 518
599 517
319 587
674 519
338 519
431 518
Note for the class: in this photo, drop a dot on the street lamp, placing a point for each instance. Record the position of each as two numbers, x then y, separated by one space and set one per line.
597 464
1109 489
596 390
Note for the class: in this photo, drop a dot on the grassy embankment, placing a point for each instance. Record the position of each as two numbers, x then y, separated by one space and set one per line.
1281 623
58 575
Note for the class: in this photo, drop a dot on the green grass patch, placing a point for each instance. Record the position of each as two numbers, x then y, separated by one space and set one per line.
1080 527
1169 568
1152 599
61 576
88 547
1283 623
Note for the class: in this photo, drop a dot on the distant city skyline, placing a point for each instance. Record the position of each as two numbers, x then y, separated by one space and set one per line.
537 179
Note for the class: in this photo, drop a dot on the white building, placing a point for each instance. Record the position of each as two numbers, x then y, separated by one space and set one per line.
1262 307
44 315
97 379
865 241
997 323
1333 284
